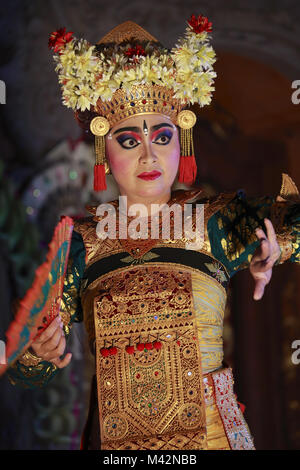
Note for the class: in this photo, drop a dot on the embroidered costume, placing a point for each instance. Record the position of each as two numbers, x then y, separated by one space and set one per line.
153 309
166 303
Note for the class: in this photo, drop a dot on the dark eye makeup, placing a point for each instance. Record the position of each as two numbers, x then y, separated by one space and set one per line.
128 141
132 140
163 137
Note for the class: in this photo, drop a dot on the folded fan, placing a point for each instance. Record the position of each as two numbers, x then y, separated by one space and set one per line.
40 305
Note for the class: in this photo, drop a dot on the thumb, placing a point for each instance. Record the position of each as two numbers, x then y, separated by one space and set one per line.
61 363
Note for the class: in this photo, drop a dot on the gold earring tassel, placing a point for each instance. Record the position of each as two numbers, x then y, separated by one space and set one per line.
99 168
187 164
99 127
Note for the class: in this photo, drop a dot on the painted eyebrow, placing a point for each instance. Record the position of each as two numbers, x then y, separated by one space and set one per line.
122 129
138 129
158 126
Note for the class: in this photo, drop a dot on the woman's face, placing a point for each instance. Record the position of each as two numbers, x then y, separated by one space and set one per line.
143 153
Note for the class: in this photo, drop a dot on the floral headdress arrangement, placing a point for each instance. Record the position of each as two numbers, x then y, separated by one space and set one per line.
129 72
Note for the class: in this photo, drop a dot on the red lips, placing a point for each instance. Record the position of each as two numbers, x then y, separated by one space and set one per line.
150 175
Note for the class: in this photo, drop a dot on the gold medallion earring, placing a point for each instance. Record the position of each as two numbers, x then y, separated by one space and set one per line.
187 165
99 126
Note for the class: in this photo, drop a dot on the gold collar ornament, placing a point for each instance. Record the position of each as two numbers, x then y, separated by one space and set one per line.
128 72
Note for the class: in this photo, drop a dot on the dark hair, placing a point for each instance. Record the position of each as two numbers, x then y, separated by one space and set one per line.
84 119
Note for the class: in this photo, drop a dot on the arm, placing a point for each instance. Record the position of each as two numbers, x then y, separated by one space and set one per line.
264 258
35 369
232 230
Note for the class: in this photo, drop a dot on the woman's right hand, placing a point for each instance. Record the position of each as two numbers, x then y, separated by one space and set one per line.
51 344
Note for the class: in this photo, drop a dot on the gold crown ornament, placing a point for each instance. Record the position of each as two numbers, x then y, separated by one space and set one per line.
128 72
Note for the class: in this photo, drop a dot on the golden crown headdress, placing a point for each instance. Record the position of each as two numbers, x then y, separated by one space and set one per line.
129 72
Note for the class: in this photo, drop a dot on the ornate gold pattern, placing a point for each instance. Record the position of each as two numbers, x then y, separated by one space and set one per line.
95 247
99 126
289 190
142 99
126 303
202 285
147 385
69 301
288 193
186 119
30 359
285 242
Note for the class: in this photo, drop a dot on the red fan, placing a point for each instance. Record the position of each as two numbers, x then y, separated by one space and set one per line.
40 305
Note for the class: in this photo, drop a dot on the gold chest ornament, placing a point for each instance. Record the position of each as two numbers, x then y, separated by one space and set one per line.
150 390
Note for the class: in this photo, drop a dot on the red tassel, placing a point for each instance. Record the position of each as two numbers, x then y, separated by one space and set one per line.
99 178
187 169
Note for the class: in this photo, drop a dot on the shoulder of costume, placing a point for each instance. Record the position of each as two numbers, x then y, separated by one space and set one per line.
213 204
289 191
180 196
82 224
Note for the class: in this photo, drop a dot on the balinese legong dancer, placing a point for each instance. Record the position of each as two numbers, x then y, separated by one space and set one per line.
153 309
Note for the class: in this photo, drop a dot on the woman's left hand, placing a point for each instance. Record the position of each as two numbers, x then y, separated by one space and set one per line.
264 259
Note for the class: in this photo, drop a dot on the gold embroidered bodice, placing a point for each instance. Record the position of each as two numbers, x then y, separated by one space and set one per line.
205 293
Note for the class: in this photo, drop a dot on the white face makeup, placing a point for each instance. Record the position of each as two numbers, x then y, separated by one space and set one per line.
143 153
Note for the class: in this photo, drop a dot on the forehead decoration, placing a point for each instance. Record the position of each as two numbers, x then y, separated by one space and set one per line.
129 72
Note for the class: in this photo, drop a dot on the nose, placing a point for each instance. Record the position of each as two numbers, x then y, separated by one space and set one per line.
148 154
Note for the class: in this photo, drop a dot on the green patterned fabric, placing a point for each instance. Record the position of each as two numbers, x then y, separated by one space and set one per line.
232 235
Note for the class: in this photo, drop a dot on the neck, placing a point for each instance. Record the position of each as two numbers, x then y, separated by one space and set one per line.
148 202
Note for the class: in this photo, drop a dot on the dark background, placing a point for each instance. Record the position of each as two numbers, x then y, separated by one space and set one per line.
247 137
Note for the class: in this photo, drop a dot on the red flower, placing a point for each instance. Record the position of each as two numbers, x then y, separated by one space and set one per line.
200 24
104 352
113 351
130 349
58 39
140 347
157 345
135 51
149 346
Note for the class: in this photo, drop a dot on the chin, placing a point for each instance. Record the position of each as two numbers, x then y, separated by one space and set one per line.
153 191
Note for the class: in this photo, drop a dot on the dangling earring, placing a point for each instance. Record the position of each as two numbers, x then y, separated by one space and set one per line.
99 127
187 165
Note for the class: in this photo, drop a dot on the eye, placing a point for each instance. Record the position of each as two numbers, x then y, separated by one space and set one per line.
163 138
128 141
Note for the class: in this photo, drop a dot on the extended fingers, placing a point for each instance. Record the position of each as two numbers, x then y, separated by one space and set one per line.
269 245
275 249
263 253
270 231
57 351
55 339
49 331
